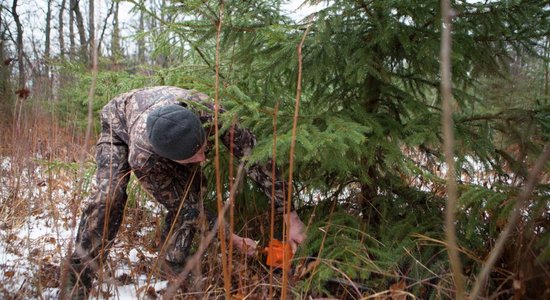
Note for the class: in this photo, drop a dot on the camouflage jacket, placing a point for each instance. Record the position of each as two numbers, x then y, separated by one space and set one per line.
124 117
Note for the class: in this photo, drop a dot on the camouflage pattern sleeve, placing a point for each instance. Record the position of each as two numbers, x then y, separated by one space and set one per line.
180 189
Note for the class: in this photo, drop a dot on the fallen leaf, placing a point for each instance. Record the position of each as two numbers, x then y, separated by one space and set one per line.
397 290
9 274
151 292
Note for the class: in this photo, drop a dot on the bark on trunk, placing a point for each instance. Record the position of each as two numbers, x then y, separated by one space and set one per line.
91 31
47 46
115 41
81 30
141 41
19 45
4 66
72 42
61 29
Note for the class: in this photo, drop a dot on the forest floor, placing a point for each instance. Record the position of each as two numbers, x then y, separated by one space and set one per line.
38 231
42 187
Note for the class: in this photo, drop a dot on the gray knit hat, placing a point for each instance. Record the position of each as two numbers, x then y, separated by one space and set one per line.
174 132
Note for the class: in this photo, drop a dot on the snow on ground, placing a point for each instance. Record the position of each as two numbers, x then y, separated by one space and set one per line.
36 229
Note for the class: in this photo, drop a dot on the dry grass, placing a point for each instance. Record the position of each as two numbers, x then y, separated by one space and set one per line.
38 197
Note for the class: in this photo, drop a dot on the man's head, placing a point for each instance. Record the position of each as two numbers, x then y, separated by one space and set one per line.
175 132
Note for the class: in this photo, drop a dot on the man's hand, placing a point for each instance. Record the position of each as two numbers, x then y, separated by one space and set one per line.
297 228
245 245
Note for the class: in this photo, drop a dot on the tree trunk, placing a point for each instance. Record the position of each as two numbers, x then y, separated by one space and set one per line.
81 30
48 31
546 67
47 46
91 31
19 46
162 59
61 27
72 46
116 50
141 41
4 65
22 91
109 13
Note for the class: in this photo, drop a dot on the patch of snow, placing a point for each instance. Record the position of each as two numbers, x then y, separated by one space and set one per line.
36 232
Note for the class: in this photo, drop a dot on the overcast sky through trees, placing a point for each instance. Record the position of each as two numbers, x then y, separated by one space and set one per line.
33 16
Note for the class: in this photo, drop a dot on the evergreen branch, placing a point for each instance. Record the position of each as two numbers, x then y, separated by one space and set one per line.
323 240
365 7
348 281
506 115
496 8
205 59
431 240
414 77
517 166
211 10
512 220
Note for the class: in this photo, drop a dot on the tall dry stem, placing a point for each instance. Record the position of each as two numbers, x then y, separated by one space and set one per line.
273 178
219 192
291 161
448 145
231 196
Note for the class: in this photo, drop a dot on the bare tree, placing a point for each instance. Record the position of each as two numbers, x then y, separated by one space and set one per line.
48 31
72 43
22 91
47 46
162 59
91 29
4 64
101 35
115 40
141 41
75 9
61 29
546 66
19 46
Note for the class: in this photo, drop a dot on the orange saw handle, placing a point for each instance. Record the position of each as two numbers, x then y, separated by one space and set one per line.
278 254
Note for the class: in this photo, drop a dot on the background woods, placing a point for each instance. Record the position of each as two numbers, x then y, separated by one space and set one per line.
369 166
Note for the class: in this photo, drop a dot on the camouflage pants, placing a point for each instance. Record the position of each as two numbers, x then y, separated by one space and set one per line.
176 187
